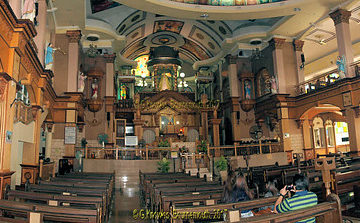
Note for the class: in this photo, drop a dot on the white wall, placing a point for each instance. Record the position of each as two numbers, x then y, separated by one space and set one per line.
21 133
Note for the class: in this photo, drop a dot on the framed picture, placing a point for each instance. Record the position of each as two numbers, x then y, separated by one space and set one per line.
347 99
70 135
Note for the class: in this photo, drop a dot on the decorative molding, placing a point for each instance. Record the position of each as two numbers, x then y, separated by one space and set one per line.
4 80
109 58
276 43
340 16
73 35
298 45
231 59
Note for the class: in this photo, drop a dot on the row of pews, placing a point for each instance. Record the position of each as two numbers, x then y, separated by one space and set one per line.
74 197
182 198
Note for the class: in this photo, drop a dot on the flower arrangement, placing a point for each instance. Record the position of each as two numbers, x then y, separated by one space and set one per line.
164 143
202 147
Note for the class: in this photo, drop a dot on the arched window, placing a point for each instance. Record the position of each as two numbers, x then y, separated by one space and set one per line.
23 95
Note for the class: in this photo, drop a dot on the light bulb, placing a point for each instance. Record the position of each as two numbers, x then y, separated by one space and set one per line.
182 75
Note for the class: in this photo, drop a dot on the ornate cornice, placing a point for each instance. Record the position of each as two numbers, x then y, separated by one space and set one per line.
298 45
73 35
340 16
109 58
276 43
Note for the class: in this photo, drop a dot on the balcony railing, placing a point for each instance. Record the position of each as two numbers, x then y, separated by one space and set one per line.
324 80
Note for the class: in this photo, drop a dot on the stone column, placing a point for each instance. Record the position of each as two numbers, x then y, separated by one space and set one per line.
353 120
109 77
341 20
41 31
276 45
73 59
16 7
233 77
298 47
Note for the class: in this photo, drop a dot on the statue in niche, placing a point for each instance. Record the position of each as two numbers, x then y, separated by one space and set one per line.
164 83
273 84
263 82
247 86
341 66
94 89
29 10
81 82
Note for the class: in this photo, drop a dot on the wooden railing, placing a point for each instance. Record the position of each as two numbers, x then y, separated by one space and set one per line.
126 153
238 149
323 80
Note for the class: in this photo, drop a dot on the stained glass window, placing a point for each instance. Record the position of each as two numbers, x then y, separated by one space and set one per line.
142 66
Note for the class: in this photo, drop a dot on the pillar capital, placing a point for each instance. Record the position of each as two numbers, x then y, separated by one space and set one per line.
73 35
298 45
340 16
276 43
109 58
231 59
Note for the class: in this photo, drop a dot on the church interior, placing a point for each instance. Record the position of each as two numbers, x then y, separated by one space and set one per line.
147 110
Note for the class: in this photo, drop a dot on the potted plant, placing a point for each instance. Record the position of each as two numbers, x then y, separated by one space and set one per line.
202 147
221 166
163 165
102 139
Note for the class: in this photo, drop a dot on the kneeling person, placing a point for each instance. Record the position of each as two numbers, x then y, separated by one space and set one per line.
301 199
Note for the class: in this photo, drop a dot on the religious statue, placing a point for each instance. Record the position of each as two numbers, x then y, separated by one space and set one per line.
164 83
29 10
273 85
95 89
49 56
247 86
81 82
341 66
123 92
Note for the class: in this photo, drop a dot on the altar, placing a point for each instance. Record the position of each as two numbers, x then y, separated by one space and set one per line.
166 109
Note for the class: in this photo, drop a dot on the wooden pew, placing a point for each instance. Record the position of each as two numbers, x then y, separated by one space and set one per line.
71 191
183 191
58 200
327 212
47 213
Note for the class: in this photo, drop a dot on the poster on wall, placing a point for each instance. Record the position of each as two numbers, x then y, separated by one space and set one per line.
70 135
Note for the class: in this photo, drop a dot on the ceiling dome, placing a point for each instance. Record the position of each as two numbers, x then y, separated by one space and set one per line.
227 2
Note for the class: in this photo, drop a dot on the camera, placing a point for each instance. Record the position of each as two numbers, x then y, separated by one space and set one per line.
289 187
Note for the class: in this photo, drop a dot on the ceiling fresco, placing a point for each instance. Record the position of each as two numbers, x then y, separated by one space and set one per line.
227 2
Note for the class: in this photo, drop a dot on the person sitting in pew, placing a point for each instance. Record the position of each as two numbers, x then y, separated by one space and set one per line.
236 190
271 191
301 199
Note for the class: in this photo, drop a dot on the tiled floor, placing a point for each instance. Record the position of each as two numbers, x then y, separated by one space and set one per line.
126 200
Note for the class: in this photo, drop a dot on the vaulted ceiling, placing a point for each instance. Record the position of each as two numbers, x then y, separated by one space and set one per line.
202 33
